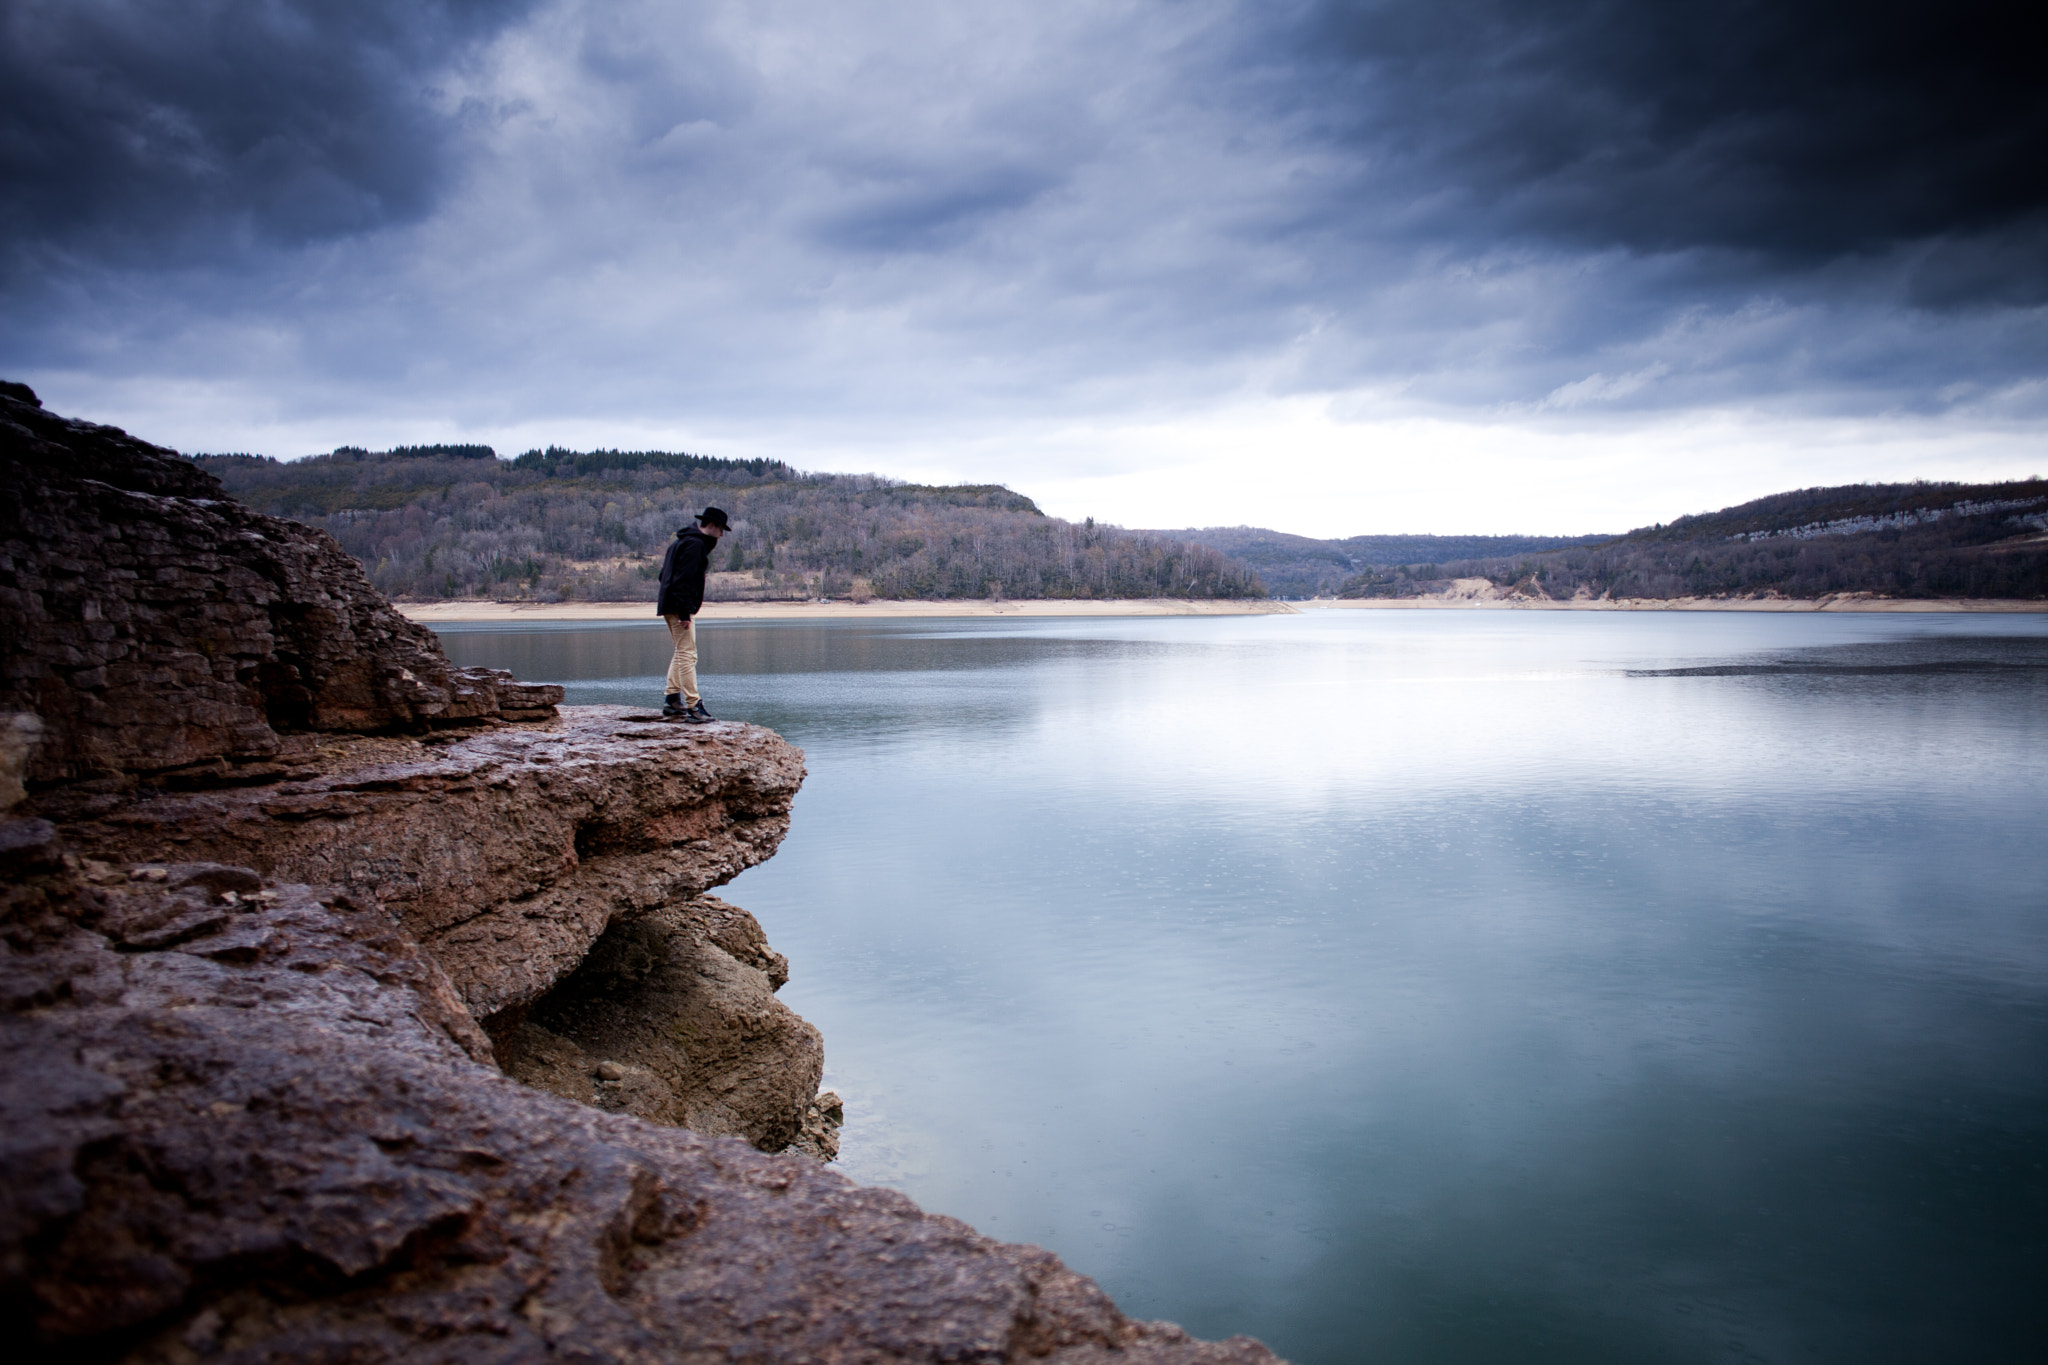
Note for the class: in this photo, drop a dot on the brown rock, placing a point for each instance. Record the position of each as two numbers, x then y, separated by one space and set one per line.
818 1133
506 851
271 1140
660 1020
156 625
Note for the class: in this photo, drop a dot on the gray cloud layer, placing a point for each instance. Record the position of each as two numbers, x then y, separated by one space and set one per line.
901 213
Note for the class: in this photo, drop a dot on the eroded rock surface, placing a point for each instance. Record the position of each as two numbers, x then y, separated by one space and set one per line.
506 851
662 1019
156 626
247 1122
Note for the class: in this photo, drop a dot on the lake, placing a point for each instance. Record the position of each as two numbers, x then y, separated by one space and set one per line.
1431 986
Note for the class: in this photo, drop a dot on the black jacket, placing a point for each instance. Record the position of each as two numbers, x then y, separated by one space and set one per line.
682 574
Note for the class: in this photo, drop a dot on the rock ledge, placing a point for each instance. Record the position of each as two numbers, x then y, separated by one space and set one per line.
506 851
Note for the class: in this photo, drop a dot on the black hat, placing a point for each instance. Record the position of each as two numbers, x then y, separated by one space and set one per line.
711 516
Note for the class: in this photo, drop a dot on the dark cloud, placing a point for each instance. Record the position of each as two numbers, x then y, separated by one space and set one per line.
913 226
146 132
1794 129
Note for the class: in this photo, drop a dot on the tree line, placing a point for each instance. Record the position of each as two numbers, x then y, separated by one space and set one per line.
1925 540
557 525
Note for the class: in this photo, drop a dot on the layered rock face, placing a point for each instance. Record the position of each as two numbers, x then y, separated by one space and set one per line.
673 1017
195 680
505 851
156 626
248 1121
555 872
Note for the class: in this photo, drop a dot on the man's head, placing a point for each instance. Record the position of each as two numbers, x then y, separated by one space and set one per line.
712 522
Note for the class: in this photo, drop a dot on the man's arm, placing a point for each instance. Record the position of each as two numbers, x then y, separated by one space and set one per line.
666 595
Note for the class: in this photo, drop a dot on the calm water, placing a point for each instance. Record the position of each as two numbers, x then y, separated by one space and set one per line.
1432 987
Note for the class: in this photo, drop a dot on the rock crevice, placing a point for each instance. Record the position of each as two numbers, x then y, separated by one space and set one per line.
664 1020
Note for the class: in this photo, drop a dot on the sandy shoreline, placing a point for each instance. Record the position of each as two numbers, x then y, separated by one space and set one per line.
433 613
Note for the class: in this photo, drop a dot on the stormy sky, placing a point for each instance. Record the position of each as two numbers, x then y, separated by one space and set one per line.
1331 266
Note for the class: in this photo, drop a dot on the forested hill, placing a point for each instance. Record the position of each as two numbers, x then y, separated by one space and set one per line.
1299 566
1896 540
455 521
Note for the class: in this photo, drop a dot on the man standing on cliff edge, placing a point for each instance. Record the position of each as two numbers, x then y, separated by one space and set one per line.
682 595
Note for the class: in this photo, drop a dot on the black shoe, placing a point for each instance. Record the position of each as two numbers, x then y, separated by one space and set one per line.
673 705
697 715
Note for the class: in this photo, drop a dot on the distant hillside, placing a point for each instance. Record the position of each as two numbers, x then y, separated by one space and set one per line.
1297 566
455 521
1897 540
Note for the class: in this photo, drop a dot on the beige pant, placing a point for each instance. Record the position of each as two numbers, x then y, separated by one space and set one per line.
682 669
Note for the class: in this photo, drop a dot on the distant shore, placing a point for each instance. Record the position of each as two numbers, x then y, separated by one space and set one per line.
433 613
1836 602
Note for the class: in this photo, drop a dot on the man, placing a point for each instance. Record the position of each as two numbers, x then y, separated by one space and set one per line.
682 595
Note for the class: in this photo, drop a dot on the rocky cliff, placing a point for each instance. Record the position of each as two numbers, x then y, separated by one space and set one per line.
505 850
539 864
356 1007
163 631
249 1121
197 681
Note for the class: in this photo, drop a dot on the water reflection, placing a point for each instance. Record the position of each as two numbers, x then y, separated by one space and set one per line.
1425 987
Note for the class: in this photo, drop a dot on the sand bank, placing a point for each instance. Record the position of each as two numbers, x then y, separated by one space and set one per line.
511 613
434 613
